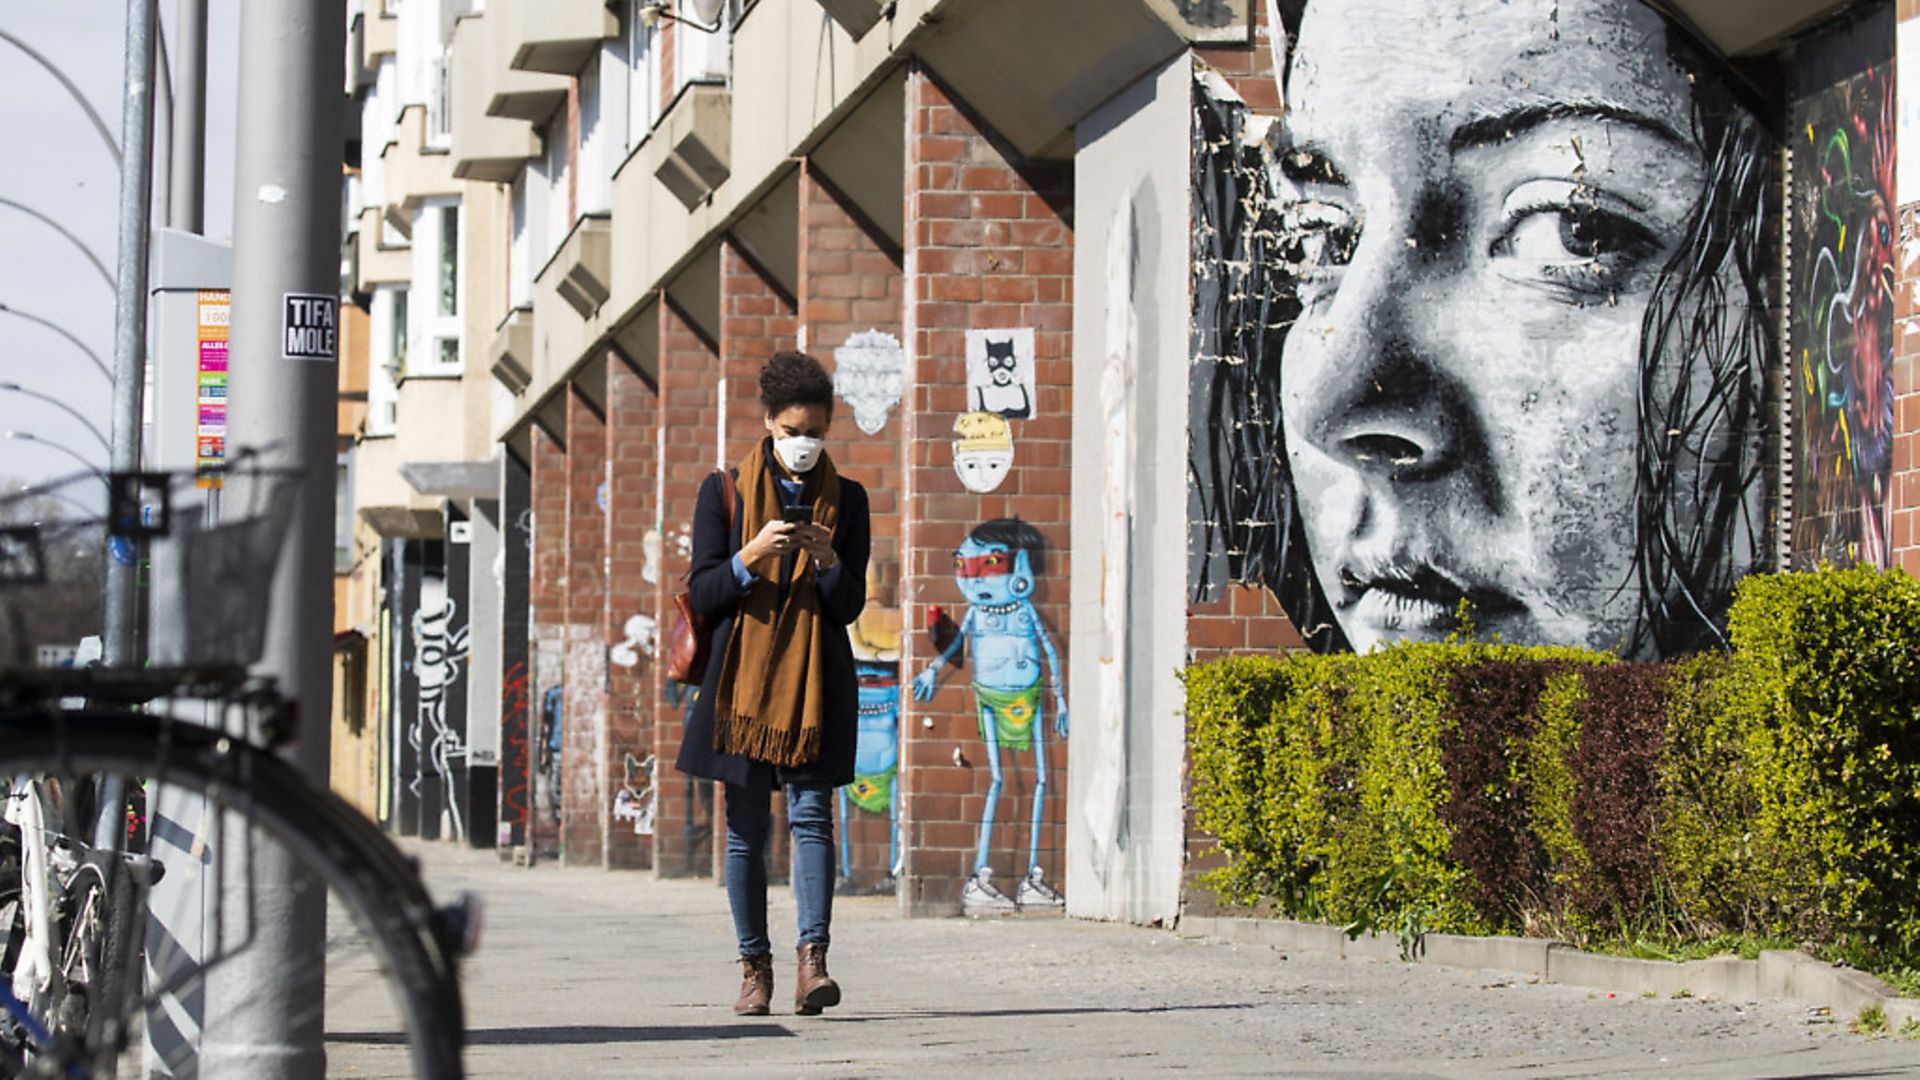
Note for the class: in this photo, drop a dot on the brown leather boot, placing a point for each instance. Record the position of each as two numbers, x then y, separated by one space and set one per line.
756 986
813 988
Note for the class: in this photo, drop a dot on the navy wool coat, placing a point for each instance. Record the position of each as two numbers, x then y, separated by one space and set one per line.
716 595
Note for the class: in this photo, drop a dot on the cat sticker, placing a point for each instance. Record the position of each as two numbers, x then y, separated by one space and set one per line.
1000 373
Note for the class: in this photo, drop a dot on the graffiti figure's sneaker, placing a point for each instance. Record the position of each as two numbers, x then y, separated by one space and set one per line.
982 897
844 886
886 886
1034 891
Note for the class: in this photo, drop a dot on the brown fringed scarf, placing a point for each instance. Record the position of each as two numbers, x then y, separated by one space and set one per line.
770 703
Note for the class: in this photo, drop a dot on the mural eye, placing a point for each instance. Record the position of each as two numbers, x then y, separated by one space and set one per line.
1576 236
1317 235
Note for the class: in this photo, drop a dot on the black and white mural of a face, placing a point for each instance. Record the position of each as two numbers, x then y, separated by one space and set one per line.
1514 266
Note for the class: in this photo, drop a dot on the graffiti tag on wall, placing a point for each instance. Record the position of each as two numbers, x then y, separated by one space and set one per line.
440 650
1843 243
1482 321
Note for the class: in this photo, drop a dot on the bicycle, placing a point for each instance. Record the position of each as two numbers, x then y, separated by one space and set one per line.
158 942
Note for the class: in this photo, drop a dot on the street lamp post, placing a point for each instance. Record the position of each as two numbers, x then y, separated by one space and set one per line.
16 388
106 275
30 437
98 363
79 98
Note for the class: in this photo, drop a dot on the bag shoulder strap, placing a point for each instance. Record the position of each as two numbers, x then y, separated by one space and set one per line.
729 496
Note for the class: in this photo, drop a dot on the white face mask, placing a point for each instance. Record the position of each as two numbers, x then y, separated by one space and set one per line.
799 453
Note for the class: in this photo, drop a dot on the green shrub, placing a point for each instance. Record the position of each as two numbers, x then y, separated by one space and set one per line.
1770 793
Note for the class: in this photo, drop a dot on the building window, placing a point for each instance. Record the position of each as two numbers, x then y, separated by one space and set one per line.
449 260
449 350
342 515
397 350
643 76
439 111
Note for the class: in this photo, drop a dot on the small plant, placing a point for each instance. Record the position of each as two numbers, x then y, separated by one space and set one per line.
1682 994
1911 1029
1871 1022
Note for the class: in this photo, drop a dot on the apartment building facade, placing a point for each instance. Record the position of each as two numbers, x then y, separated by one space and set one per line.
1093 305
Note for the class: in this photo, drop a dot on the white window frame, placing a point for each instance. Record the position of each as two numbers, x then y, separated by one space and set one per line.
429 325
643 76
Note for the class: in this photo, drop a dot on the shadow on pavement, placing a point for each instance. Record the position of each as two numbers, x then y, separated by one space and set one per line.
579 1034
1074 1010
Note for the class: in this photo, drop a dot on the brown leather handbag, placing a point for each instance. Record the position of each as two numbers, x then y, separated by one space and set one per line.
689 642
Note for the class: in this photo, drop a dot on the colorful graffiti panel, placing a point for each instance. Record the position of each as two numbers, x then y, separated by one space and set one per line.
1842 236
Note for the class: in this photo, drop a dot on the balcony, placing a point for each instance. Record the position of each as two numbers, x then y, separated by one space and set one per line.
379 37
512 350
583 267
512 93
411 170
856 17
557 37
697 132
378 263
485 147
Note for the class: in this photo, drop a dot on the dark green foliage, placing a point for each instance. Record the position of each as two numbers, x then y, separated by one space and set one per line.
1771 793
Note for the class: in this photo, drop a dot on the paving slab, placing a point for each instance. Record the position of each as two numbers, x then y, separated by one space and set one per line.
585 974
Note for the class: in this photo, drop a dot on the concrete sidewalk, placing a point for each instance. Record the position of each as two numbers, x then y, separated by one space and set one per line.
584 973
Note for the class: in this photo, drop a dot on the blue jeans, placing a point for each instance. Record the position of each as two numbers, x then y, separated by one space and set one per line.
749 821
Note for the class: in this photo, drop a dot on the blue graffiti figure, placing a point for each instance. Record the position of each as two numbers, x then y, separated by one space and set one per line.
876 765
996 569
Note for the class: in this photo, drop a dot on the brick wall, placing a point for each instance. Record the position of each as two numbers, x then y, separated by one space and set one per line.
851 283
631 594
584 802
1906 372
989 245
549 594
683 821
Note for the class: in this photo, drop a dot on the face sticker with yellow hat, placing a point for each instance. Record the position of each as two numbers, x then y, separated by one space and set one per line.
983 451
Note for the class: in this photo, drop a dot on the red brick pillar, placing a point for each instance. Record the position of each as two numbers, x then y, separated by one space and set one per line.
689 410
632 614
989 247
584 802
757 319
549 618
851 289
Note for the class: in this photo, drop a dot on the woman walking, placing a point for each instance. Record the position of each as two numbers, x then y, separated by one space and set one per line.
779 575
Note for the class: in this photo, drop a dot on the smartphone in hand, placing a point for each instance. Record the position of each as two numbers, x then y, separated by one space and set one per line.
797 515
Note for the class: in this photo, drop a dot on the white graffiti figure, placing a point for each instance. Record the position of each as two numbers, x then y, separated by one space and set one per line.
636 804
642 636
439 657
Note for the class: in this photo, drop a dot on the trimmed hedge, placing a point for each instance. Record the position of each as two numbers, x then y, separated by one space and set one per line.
1476 787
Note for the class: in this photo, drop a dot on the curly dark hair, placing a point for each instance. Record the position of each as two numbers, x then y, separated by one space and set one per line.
794 378
1014 535
1704 395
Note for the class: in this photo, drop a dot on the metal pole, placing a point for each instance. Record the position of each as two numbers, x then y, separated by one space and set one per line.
130 309
186 209
264 1008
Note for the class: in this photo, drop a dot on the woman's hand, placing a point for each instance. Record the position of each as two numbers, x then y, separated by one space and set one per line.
776 537
817 541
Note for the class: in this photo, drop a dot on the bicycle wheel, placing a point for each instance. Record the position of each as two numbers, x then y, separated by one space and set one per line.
240 823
